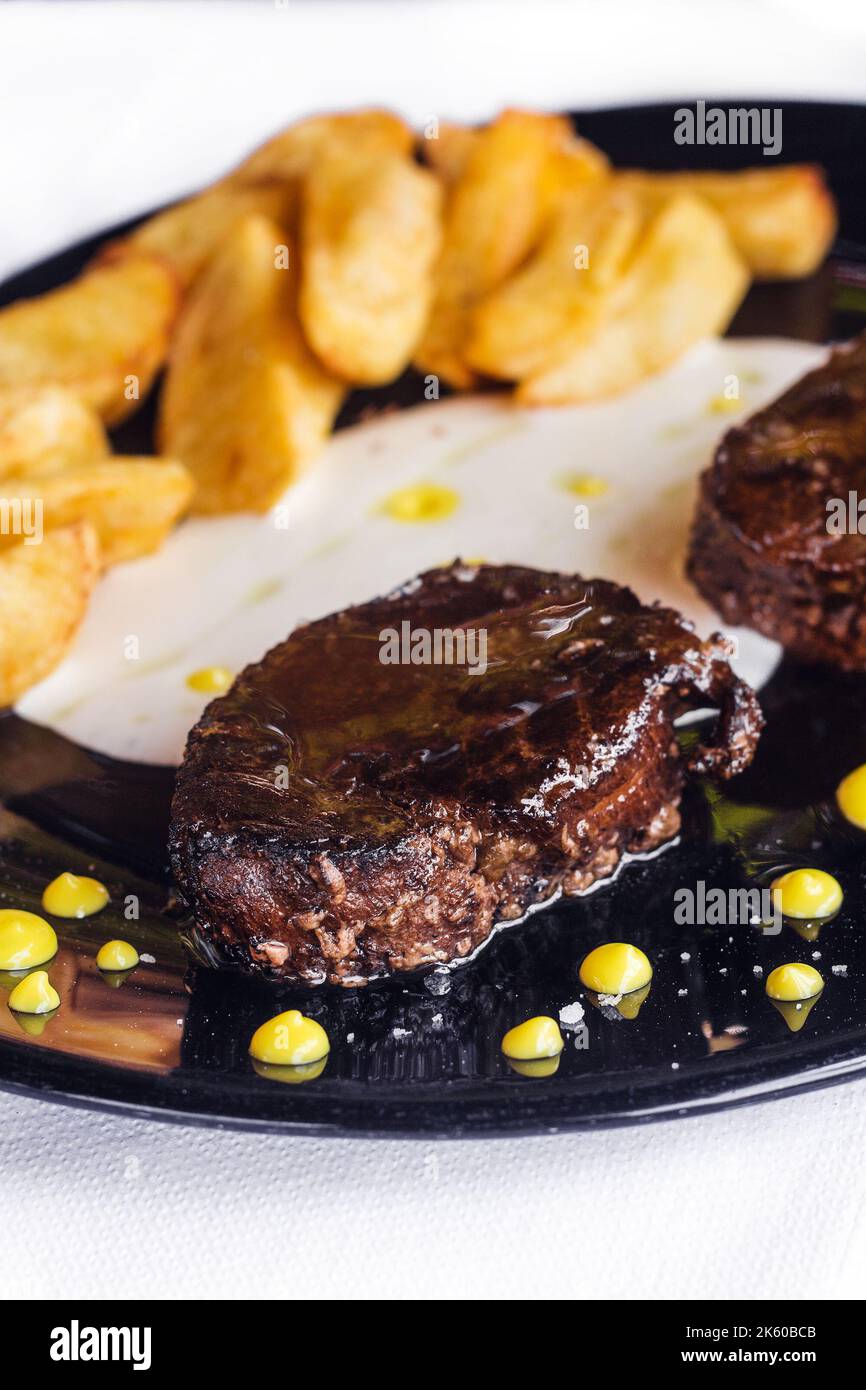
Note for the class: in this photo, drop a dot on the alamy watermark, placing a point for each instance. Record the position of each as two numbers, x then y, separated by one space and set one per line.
438 646
846 516
727 907
733 125
77 1343
22 516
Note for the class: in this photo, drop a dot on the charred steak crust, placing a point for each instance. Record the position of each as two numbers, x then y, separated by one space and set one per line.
761 552
337 819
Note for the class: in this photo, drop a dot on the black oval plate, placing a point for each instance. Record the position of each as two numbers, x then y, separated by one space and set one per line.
170 1041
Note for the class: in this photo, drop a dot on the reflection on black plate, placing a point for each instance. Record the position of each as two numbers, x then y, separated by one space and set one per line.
422 1056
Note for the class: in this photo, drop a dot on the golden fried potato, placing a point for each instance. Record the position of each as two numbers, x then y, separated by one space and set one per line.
103 336
684 283
448 151
246 405
557 299
782 221
47 428
186 235
44 591
290 154
132 503
494 217
370 234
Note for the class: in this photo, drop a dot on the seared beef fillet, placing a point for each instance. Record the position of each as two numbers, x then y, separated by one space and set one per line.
760 550
337 818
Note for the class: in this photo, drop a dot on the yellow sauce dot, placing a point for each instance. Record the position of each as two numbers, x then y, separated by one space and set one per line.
290 1040
851 796
537 1066
25 939
807 893
629 1005
537 1038
117 955
723 405
211 680
421 502
35 994
615 968
584 485
290 1076
794 981
71 895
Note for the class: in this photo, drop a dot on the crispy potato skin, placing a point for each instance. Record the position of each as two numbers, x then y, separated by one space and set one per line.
782 221
246 406
556 300
44 592
494 217
684 283
131 503
92 336
186 235
370 234
291 152
47 429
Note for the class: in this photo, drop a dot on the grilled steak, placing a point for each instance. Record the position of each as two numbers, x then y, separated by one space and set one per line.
761 549
338 818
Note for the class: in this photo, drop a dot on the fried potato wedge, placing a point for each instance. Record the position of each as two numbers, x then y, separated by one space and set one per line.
684 283
103 336
132 503
47 428
290 154
246 406
44 592
782 221
447 151
186 235
370 235
558 298
494 217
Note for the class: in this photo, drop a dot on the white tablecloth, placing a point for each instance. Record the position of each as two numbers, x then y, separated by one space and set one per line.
108 108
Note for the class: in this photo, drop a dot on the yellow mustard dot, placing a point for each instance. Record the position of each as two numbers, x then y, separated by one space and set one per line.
629 1005
584 485
794 981
807 893
290 1076
615 968
35 994
25 939
211 680
851 796
536 1066
421 502
723 405
117 955
73 895
536 1038
290 1040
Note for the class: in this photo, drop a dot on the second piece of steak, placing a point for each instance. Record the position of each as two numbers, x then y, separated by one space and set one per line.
338 818
762 552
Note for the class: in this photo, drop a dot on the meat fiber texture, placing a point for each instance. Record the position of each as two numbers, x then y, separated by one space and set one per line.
777 543
346 812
